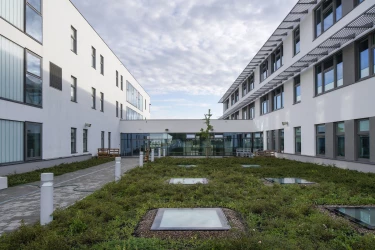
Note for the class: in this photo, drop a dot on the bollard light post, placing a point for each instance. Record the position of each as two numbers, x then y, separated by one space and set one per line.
118 169
141 159
163 152
46 198
152 155
159 152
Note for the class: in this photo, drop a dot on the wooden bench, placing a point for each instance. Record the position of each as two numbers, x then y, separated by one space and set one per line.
108 152
265 153
244 152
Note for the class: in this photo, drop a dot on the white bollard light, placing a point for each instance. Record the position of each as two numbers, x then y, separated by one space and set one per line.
141 159
46 198
163 152
152 155
118 169
159 152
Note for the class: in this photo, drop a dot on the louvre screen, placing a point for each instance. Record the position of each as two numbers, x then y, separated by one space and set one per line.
55 76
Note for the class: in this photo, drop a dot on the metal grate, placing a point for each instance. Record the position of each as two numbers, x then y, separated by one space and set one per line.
55 80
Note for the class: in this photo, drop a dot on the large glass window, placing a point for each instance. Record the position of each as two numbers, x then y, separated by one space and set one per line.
133 96
73 39
34 20
297 89
85 132
321 139
73 140
366 62
329 74
33 141
33 91
264 105
244 113
73 89
326 14
132 115
93 98
277 58
122 85
297 140
116 78
121 110
250 83
340 139
363 139
278 98
93 57
297 41
252 111
281 140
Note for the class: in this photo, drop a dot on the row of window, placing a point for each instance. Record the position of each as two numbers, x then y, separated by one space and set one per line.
133 115
134 97
363 139
73 140
327 13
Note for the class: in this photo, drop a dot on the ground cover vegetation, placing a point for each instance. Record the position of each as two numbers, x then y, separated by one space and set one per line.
276 217
24 178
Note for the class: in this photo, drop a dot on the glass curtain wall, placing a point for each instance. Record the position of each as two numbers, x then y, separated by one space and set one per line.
188 144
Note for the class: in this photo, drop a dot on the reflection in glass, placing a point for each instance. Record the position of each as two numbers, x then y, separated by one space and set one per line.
364 216
321 146
327 19
364 146
364 59
341 146
298 93
34 24
328 75
318 22
33 90
364 126
340 71
35 4
298 140
319 88
34 140
338 10
33 64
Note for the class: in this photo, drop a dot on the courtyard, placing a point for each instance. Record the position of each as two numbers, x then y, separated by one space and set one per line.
261 214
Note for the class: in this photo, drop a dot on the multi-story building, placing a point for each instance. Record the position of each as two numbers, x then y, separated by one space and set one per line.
309 89
63 91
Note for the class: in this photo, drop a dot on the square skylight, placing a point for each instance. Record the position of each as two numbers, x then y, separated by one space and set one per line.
187 166
364 216
289 181
188 181
251 166
190 219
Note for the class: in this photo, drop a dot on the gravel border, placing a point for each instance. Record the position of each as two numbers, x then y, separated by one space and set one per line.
238 228
360 229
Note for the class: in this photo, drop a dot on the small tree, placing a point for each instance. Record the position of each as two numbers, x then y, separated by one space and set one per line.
205 133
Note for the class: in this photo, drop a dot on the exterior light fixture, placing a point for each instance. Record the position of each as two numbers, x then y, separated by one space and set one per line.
87 125
285 123
166 130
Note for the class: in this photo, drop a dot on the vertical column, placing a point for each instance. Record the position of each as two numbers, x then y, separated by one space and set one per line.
46 198
117 168
152 155
372 139
159 152
141 159
330 140
163 152
350 140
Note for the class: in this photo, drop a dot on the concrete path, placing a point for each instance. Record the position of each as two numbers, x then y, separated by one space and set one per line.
23 202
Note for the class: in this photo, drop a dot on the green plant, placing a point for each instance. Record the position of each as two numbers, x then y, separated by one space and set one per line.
206 133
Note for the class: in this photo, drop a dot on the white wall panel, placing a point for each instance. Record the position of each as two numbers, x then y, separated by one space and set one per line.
11 141
12 11
11 70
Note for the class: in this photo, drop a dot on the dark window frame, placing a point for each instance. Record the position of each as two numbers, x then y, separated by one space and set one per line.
26 73
322 9
318 136
264 100
370 38
335 58
281 140
93 57
295 140
102 139
93 98
101 102
264 70
116 78
245 113
102 65
26 158
121 108
73 86
252 111
85 140
296 36
73 39
40 13
116 108
73 140
359 134
122 82
277 55
297 83
276 93
109 140
339 134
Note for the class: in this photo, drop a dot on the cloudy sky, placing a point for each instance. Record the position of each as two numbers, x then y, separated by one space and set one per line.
185 53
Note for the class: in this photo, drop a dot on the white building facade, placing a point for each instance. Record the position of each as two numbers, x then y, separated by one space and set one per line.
63 91
309 89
